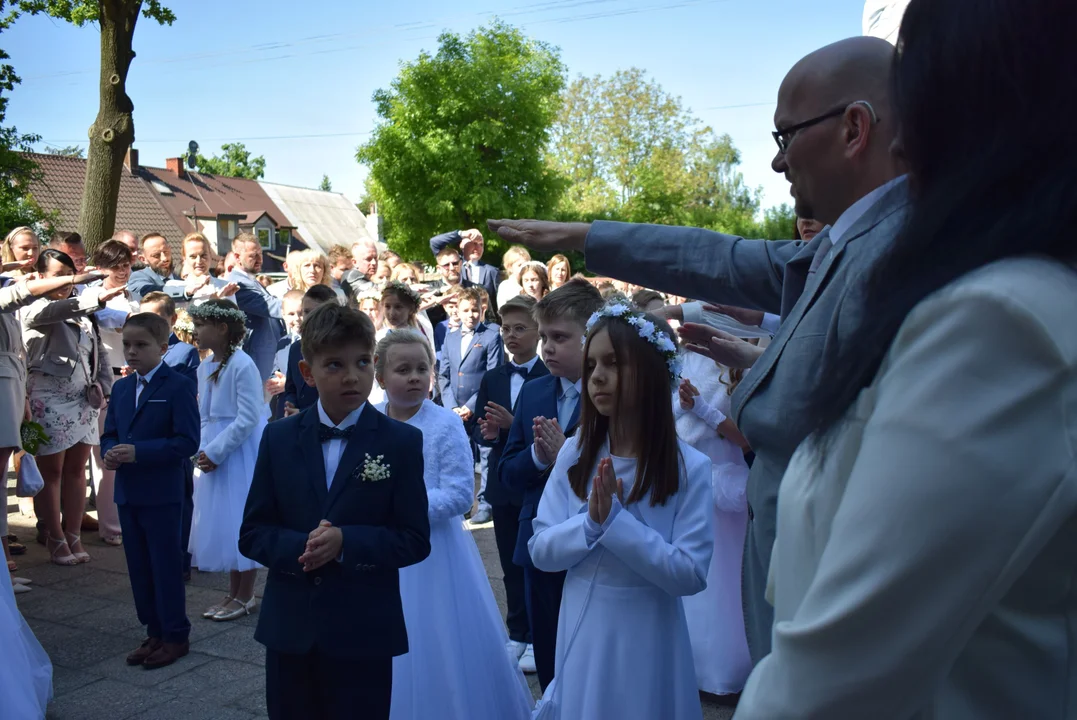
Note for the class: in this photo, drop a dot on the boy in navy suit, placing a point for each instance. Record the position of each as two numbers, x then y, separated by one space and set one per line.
547 410
297 394
497 397
336 507
152 426
467 353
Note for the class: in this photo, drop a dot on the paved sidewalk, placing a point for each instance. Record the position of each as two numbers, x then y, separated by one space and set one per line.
84 616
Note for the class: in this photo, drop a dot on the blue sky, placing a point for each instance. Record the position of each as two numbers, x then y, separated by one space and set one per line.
262 73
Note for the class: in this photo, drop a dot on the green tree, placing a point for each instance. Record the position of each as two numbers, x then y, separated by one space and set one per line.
462 137
113 129
234 161
74 151
326 185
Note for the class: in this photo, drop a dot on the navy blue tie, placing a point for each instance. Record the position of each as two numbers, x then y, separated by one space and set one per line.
326 433
518 370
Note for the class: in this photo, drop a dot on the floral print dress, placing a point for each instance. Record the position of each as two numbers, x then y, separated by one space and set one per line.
59 403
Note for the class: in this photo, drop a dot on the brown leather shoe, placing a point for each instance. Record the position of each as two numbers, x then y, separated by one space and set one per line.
89 523
147 648
165 655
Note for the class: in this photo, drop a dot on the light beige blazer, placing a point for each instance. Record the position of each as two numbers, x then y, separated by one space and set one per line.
926 565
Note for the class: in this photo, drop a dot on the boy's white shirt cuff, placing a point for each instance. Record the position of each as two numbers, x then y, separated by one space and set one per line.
538 463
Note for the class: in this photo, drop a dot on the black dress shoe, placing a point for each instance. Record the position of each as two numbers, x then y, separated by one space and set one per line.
166 654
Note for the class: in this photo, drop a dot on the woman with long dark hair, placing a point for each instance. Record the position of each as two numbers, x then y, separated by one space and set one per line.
924 564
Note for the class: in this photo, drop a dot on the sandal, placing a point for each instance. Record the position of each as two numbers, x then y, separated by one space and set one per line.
72 539
113 540
54 547
210 612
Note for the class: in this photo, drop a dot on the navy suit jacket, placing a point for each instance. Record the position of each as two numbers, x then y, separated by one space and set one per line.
459 377
348 609
165 430
296 390
486 275
264 320
496 387
183 358
517 470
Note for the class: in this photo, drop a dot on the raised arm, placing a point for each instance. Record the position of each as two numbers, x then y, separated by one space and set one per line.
442 241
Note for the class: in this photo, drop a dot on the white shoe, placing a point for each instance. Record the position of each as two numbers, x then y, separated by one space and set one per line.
19 588
21 581
515 650
527 660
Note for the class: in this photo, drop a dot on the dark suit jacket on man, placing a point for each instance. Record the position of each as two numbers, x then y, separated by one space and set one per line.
183 358
349 609
296 390
485 275
264 320
818 310
496 387
165 430
459 377
517 470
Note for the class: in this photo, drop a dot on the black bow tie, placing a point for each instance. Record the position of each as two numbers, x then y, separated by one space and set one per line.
518 370
327 433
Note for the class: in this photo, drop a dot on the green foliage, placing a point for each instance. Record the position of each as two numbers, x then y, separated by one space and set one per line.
81 12
326 185
463 137
74 151
235 161
632 152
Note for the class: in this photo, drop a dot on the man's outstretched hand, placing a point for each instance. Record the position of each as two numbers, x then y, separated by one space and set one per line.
542 235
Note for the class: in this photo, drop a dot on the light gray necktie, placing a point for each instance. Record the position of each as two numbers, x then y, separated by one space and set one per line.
568 404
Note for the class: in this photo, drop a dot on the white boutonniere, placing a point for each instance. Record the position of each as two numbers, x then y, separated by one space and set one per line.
374 469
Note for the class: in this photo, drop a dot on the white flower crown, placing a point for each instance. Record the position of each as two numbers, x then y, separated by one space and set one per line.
184 324
216 313
658 339
402 288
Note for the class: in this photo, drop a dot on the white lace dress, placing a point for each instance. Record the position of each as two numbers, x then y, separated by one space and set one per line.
456 667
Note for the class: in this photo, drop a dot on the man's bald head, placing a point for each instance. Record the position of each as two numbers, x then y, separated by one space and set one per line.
836 161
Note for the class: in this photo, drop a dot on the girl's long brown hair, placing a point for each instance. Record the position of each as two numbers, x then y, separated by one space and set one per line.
644 392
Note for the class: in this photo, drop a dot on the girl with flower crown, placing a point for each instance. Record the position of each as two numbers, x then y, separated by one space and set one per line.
233 417
626 512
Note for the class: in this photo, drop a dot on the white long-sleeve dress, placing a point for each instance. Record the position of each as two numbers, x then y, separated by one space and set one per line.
26 671
632 657
456 667
233 417
716 615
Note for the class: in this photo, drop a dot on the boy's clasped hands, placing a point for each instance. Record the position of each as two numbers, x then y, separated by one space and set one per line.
117 456
497 418
549 437
323 544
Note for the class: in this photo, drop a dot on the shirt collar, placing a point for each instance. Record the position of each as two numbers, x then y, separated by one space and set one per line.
530 364
347 422
149 376
859 208
566 384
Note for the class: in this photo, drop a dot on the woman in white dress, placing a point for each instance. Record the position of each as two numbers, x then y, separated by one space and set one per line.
716 616
627 512
233 417
456 667
26 671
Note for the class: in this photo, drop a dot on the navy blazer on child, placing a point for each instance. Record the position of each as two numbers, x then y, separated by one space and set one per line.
165 430
296 390
349 609
517 470
459 376
496 386
183 358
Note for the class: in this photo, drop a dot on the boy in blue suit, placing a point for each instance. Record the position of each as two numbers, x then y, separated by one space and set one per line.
151 428
467 353
183 358
546 411
297 394
498 393
336 507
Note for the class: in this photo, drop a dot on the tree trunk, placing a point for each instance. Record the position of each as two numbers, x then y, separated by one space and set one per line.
113 131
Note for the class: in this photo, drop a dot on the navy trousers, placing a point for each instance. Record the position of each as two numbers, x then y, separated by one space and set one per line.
301 687
151 541
506 529
188 514
544 605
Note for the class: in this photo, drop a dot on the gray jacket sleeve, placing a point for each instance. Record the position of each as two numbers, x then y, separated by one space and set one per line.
691 262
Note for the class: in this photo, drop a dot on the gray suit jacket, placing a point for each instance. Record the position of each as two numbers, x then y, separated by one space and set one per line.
263 320
816 311
51 331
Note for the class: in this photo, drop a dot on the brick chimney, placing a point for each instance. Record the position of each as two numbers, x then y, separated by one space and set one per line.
131 160
175 166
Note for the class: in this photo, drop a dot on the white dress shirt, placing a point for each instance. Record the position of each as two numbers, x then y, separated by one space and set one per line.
465 341
516 381
333 450
144 380
564 410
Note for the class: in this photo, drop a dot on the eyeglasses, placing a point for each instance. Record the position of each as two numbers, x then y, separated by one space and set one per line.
508 330
449 264
784 136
